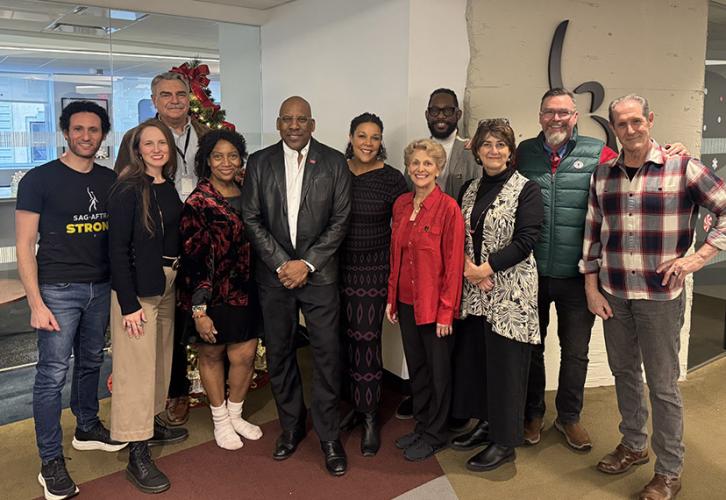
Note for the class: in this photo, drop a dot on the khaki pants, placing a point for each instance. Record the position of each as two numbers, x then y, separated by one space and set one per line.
142 367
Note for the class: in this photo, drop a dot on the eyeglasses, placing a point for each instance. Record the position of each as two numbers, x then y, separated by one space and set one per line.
493 122
447 111
287 120
562 113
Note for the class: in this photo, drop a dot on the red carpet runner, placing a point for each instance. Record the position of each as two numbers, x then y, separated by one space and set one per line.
209 472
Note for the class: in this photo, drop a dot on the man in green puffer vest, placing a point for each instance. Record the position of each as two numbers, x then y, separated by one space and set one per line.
561 161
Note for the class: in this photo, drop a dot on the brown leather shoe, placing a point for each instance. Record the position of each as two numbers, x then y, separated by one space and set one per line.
533 430
575 434
661 488
621 460
177 411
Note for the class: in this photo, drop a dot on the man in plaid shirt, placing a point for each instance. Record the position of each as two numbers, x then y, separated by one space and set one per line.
642 211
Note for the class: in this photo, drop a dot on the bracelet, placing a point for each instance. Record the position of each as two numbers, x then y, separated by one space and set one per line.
199 311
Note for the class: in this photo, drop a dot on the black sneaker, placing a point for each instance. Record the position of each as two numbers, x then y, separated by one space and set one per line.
56 482
421 450
163 434
98 438
143 472
407 440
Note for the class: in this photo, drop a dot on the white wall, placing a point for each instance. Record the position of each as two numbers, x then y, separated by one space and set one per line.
240 78
344 59
438 56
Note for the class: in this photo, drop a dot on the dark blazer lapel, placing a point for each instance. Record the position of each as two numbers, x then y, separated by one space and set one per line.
310 168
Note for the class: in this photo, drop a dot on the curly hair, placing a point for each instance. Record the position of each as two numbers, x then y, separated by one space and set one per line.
430 147
84 107
206 146
366 118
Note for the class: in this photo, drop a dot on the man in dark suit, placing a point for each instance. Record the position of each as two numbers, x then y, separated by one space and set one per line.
296 206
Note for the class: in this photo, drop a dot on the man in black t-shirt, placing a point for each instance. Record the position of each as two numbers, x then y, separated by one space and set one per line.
68 287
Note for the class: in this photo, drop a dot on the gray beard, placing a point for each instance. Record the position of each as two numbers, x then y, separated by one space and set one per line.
555 138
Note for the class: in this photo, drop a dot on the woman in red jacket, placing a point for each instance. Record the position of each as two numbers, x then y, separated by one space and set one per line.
424 292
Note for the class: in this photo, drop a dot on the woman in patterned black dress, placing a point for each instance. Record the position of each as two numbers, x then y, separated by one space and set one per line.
364 273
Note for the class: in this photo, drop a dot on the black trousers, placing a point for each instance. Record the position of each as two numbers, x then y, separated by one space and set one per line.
321 309
574 327
179 383
490 379
428 358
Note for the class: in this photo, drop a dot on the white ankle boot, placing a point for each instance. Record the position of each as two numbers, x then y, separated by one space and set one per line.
224 433
242 426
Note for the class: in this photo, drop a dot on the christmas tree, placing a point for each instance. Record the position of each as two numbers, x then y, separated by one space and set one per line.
201 103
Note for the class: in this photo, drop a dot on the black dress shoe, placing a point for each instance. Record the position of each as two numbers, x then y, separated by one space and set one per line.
457 424
163 434
371 441
478 436
491 457
335 460
287 444
352 420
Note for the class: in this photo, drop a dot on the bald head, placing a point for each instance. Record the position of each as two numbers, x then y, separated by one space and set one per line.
295 100
295 122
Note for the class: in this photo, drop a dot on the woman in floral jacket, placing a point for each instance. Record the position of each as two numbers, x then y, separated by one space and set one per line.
217 285
503 214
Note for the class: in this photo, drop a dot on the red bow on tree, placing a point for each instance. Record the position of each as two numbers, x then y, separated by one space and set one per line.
197 75
211 113
198 81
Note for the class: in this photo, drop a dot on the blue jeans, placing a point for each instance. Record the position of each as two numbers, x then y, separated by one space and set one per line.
81 310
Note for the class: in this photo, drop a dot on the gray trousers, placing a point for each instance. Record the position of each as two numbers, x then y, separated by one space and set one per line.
648 332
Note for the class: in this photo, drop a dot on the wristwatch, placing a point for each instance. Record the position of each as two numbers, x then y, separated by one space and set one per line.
199 311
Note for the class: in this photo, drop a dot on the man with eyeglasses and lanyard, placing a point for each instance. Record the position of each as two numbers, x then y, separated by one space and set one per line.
170 96
562 161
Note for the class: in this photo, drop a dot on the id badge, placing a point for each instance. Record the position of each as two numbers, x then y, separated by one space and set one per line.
187 186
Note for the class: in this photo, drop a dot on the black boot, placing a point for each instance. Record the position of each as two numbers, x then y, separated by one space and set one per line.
352 420
478 436
371 441
142 471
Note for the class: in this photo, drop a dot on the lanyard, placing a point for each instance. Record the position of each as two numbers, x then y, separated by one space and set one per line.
186 146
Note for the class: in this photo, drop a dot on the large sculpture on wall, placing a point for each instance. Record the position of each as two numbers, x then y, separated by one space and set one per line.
595 89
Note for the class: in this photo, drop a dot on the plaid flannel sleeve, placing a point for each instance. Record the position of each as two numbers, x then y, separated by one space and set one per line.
709 191
592 247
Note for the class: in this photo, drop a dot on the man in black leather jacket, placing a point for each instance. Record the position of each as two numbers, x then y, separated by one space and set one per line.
296 206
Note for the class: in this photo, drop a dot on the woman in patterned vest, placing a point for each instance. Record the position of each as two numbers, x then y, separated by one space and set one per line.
503 214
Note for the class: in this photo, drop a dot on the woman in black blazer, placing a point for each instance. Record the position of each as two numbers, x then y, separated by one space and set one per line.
143 212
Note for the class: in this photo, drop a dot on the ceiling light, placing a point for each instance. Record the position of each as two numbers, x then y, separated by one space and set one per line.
103 53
